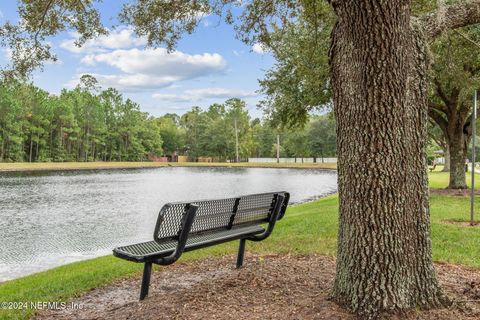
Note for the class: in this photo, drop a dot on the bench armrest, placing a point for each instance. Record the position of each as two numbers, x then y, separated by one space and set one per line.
284 205
273 219
185 228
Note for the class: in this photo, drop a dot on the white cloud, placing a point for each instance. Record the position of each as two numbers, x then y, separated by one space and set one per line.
139 68
195 95
121 38
159 62
206 93
126 82
8 52
259 48
171 97
152 68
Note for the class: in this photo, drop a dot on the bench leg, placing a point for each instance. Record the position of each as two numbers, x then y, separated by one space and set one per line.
147 271
241 252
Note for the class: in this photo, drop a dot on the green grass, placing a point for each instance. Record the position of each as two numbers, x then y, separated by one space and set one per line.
439 180
306 229
453 243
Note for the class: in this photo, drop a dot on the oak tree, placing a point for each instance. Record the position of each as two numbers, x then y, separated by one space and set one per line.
379 77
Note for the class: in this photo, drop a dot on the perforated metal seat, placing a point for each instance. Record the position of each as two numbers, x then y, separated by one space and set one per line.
152 250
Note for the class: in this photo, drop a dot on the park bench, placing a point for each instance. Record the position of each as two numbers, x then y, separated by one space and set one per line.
187 226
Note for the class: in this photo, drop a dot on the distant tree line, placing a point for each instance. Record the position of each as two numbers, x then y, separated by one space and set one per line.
87 124
76 125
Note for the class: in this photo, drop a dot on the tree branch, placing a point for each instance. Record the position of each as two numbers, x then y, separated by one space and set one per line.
472 70
439 120
464 111
42 21
467 38
458 15
470 116
438 107
441 142
448 101
81 4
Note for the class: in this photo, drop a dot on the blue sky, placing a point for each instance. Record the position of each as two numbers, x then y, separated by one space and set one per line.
208 66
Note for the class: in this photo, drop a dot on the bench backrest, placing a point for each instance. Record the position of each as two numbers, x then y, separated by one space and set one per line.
219 214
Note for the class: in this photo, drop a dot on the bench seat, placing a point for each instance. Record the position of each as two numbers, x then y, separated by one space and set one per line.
152 250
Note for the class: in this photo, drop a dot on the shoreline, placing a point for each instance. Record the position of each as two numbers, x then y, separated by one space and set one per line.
77 166
295 204
311 228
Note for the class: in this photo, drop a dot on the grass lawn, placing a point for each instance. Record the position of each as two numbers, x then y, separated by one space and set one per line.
306 229
439 180
50 166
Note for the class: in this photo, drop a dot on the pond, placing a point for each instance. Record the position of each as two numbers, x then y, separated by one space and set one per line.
52 218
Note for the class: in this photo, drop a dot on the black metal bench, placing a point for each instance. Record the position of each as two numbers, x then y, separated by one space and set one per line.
186 226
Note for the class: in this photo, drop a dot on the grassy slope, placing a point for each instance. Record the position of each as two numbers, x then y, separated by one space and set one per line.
48 166
307 228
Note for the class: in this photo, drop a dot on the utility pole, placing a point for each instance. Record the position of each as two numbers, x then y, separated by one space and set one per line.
278 148
472 198
236 142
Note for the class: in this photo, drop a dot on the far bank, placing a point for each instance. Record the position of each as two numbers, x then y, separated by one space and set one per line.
54 166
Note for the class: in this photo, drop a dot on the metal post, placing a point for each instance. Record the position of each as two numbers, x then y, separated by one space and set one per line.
147 271
241 253
472 198
278 148
236 142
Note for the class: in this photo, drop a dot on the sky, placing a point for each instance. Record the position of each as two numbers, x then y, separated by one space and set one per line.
208 66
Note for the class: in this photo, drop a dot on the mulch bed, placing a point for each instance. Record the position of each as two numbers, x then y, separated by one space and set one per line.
454 192
267 287
462 223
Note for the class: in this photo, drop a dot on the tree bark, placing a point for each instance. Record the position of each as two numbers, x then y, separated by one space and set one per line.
462 14
379 80
446 155
458 137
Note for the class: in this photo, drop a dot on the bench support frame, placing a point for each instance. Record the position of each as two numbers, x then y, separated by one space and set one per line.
241 253
186 225
147 271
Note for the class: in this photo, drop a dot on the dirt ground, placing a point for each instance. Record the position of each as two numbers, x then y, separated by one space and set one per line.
267 287
462 223
454 192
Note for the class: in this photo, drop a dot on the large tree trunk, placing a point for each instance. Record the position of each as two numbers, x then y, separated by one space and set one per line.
458 155
446 156
379 79
456 129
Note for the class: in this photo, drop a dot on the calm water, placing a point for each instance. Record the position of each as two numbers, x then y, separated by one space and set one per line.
50 219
